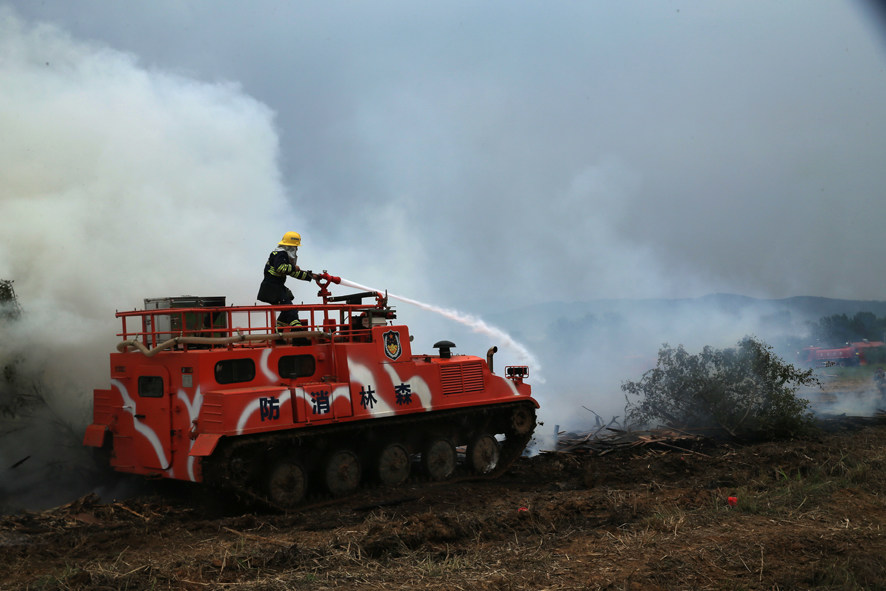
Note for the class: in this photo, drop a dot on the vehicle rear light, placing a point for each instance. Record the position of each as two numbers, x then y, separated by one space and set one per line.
517 372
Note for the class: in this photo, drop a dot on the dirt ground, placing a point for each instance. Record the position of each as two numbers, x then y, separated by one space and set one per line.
808 514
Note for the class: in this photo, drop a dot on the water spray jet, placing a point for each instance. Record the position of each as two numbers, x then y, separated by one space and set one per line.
473 322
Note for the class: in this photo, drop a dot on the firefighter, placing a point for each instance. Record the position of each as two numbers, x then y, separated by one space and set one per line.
282 263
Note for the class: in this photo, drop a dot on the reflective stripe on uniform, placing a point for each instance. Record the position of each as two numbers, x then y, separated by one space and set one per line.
281 270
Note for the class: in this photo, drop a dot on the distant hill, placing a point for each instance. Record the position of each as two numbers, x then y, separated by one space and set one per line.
816 308
800 309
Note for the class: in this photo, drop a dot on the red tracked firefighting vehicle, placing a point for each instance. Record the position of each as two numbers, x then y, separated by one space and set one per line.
216 394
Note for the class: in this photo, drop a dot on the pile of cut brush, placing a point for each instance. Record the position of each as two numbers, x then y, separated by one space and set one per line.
608 439
612 436
842 422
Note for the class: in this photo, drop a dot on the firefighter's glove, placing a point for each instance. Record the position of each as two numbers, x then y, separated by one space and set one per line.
308 275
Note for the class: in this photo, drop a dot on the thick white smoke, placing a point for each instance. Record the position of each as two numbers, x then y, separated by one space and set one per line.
117 183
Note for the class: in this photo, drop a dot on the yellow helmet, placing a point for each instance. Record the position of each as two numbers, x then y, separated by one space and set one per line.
290 239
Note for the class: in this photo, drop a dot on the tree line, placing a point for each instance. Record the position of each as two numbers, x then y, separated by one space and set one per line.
839 329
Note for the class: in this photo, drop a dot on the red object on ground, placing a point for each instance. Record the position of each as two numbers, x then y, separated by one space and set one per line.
733 501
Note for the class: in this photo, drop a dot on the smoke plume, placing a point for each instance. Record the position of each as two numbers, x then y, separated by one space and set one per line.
117 182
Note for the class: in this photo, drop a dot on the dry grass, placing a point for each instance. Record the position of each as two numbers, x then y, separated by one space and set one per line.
810 515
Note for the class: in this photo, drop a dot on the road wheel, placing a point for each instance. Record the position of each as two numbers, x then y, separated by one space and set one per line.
522 421
342 472
393 465
438 459
287 483
483 454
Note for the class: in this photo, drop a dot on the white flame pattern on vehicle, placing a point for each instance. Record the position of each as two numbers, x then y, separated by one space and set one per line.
284 398
417 386
265 368
193 409
363 376
146 431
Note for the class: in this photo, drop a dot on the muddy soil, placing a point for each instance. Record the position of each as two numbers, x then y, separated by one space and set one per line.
804 514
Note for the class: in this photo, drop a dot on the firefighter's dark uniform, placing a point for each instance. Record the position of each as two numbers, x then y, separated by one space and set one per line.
273 288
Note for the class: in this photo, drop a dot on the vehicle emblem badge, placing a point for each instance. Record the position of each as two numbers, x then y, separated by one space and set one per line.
392 345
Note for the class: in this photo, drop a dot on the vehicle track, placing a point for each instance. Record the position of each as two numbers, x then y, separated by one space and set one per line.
240 465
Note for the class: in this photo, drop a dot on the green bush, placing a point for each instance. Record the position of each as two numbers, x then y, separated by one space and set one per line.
747 391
